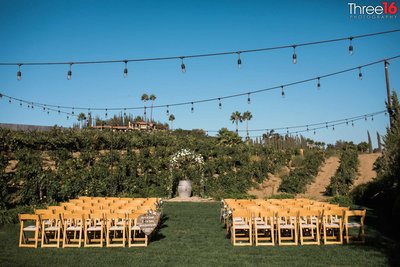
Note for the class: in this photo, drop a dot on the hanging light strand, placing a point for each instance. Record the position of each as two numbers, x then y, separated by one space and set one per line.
210 54
227 96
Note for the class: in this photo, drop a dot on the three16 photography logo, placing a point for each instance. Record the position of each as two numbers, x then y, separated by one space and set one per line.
386 10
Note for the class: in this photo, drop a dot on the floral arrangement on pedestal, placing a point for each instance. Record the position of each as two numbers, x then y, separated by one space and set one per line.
187 165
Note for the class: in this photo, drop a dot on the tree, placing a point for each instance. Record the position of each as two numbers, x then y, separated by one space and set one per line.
81 118
362 147
246 117
152 98
379 142
171 119
144 98
228 138
236 117
369 143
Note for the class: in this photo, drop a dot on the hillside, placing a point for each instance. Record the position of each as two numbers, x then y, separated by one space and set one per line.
316 190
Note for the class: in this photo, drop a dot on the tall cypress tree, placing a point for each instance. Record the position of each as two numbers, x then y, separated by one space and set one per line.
369 143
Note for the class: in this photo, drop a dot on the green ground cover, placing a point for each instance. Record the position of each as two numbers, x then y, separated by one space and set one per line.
191 235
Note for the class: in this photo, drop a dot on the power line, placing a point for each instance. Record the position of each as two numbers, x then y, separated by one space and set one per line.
217 99
238 52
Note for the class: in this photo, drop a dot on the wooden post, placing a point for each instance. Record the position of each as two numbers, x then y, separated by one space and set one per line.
389 105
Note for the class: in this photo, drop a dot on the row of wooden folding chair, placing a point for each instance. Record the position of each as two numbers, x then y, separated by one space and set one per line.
71 229
313 220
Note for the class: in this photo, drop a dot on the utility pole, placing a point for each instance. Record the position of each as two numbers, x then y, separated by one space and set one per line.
389 105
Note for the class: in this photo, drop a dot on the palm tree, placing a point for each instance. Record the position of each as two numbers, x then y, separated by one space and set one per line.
236 117
81 118
144 98
171 119
152 98
246 117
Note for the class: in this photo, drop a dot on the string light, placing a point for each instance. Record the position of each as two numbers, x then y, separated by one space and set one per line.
19 74
315 132
352 123
106 113
318 83
124 111
326 126
73 111
183 66
219 104
333 127
213 54
248 99
126 69
20 104
372 118
9 100
294 55
167 110
347 123
283 92
69 74
360 76
239 61
365 118
192 109
240 94
351 46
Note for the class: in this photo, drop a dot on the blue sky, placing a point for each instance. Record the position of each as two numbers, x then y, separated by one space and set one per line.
34 31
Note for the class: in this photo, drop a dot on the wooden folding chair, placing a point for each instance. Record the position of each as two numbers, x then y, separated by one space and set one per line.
73 230
94 230
136 238
309 227
115 230
354 219
287 227
29 223
264 230
241 230
51 229
332 226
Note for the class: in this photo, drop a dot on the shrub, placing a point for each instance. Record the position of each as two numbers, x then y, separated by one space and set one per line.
297 180
345 174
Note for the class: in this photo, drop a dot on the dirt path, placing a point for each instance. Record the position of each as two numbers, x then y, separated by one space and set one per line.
365 174
316 190
267 188
365 169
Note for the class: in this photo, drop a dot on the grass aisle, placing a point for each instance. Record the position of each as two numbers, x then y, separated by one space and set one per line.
191 236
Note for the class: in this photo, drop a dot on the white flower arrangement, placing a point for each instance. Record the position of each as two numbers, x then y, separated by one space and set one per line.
186 155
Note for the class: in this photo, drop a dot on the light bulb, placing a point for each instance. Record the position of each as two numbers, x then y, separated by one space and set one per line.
192 109
167 110
248 99
183 66
219 104
319 83
19 74
283 92
239 61
294 55
126 69
360 76
351 46
69 75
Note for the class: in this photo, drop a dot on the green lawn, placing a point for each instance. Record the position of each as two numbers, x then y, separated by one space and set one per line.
191 235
